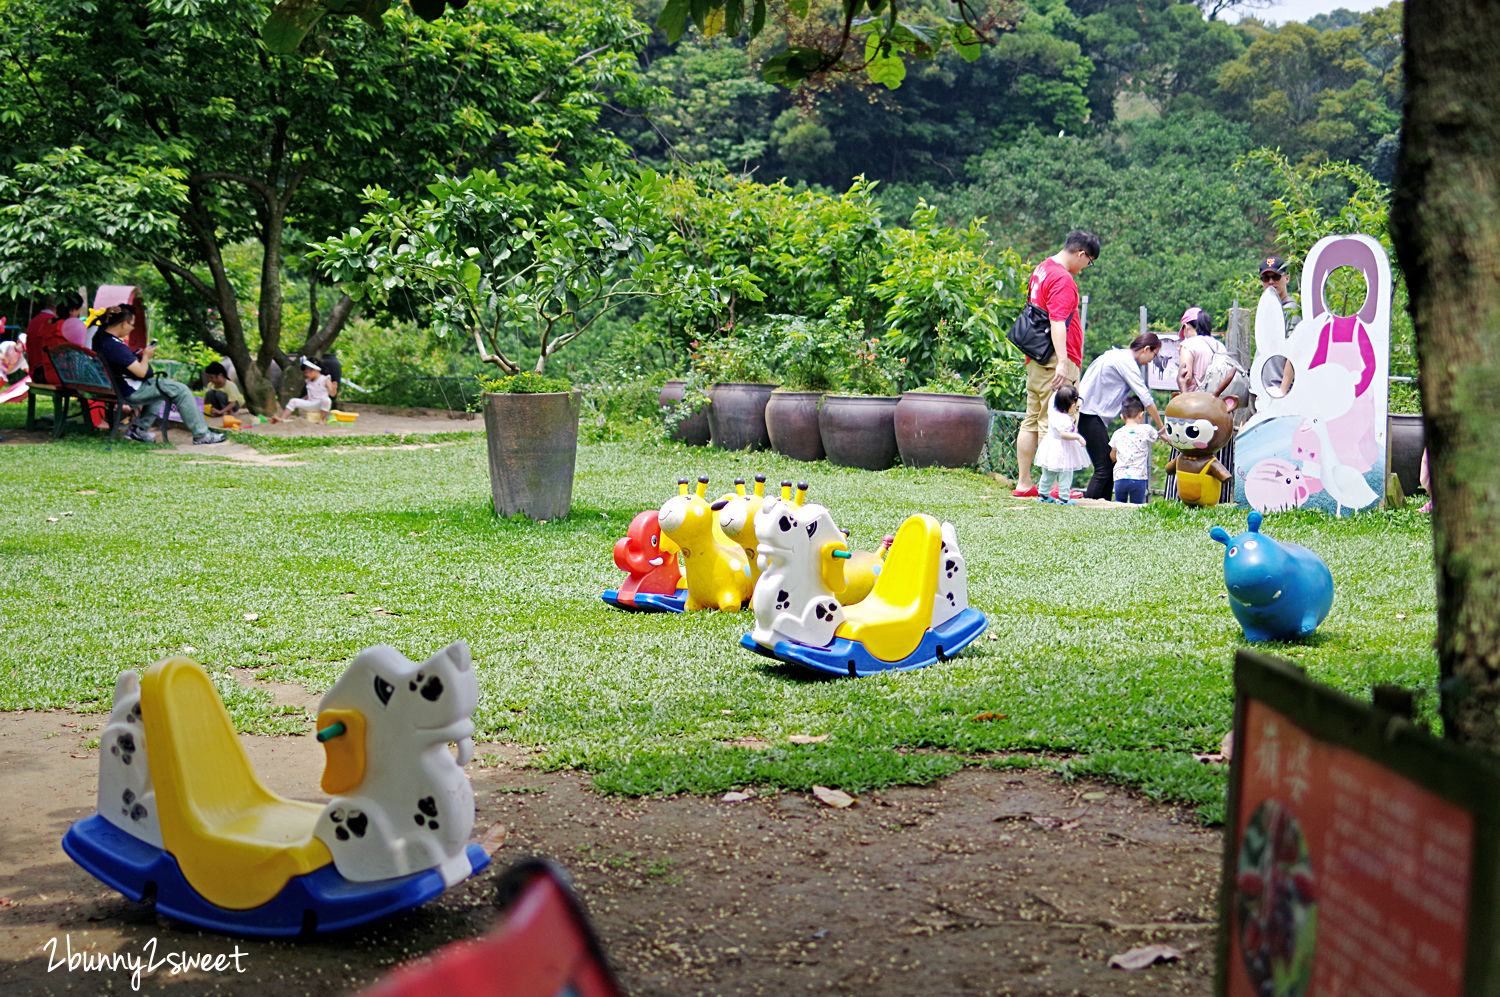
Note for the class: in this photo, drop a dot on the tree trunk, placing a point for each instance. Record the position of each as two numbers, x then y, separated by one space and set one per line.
1446 225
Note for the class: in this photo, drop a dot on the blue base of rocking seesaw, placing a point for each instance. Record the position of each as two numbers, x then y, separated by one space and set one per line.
647 602
845 657
315 902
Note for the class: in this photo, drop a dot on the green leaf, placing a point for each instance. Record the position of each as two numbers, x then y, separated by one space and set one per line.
758 18
673 19
288 23
469 275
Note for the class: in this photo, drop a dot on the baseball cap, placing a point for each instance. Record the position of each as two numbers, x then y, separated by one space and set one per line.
1273 264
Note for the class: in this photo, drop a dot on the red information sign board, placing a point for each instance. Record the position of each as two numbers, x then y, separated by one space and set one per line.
1356 861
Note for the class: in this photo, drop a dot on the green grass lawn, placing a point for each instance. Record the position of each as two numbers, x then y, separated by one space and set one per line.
1108 653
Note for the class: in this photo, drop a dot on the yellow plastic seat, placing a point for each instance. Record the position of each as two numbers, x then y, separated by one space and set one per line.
891 620
236 842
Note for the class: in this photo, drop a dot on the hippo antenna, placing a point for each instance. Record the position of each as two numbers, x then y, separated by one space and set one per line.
760 486
1255 520
786 491
801 492
739 487
703 486
682 486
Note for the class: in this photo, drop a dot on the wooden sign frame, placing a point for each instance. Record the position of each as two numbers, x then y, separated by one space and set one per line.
1460 778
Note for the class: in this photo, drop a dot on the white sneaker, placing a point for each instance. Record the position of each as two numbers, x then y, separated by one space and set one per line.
140 435
210 437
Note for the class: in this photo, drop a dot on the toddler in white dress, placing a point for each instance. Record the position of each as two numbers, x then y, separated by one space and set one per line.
1061 451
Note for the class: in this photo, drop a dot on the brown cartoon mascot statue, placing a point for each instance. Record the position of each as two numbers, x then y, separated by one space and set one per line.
1198 426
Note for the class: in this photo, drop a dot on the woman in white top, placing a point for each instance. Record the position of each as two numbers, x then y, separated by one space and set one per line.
1113 375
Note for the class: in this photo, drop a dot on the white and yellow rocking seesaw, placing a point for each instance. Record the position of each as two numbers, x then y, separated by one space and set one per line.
185 822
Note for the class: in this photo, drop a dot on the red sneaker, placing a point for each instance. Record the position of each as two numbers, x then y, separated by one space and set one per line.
1075 493
1024 492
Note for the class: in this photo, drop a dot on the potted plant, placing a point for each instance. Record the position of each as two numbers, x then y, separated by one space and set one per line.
809 356
944 422
684 410
739 386
858 426
521 270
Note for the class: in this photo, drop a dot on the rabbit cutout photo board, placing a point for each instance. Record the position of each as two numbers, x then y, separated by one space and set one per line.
1317 439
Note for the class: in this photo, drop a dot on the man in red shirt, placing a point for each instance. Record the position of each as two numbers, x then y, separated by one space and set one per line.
1053 288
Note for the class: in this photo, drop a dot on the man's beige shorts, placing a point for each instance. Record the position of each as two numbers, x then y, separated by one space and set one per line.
1038 390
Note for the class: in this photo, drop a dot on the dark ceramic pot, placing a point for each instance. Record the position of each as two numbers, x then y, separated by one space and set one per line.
694 429
737 415
939 430
859 430
533 443
792 424
1405 438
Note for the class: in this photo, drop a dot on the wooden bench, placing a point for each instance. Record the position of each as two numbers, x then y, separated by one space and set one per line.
84 375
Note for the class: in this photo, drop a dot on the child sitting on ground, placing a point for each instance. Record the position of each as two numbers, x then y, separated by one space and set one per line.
317 399
223 396
1130 449
1061 451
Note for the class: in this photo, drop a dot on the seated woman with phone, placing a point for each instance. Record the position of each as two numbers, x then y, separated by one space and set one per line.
112 328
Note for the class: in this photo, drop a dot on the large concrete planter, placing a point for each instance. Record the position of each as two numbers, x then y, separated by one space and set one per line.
1405 438
859 430
792 424
533 444
694 429
737 415
941 430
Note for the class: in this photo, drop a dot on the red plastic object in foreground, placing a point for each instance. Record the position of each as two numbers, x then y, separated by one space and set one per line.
545 948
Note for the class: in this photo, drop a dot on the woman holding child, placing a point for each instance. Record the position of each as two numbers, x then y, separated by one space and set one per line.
1112 376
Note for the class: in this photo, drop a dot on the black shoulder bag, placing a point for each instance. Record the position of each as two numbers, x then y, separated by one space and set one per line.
1032 333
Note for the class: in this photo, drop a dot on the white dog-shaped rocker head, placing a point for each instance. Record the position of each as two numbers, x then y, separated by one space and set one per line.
796 596
401 801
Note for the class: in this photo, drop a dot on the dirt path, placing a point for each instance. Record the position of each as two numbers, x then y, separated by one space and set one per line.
991 882
373 420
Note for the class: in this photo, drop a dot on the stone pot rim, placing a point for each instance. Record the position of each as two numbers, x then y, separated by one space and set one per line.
537 394
754 384
943 394
798 391
834 394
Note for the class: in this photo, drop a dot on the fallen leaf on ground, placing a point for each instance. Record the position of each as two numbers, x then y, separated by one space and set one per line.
989 716
1400 616
1226 746
808 738
736 797
753 743
833 797
51 519
7 902
992 636
1094 796
87 491
494 838
251 617
1146 955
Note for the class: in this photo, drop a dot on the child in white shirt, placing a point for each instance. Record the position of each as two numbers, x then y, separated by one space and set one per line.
1130 449
318 398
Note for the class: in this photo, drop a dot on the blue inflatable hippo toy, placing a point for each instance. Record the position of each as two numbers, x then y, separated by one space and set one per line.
1278 591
